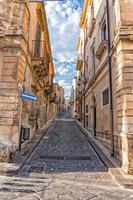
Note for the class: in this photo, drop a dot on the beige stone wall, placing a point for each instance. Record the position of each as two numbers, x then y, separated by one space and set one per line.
121 23
124 84
102 117
17 72
9 94
124 92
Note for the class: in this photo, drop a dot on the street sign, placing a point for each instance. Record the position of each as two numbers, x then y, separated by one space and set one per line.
20 87
28 96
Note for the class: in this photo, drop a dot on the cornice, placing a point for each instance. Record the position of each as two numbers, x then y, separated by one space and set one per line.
84 11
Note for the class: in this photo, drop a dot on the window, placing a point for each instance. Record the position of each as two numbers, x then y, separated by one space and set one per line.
86 121
86 69
105 97
38 41
93 59
86 108
104 32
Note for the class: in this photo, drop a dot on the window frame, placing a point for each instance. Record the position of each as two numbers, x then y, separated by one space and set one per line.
103 34
38 41
102 92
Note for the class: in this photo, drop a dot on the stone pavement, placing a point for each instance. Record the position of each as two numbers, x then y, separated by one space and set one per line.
63 166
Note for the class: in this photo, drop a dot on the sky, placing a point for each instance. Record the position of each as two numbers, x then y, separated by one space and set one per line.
63 22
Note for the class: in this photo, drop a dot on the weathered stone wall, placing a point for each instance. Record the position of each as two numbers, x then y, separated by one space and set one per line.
17 32
124 92
9 95
124 83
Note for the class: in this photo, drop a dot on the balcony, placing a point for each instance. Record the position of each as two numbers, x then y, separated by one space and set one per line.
52 97
101 48
48 87
79 61
40 59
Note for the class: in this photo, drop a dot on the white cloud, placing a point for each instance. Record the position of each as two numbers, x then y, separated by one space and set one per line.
64 84
62 71
63 22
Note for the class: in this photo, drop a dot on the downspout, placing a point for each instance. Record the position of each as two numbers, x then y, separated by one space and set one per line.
84 74
110 80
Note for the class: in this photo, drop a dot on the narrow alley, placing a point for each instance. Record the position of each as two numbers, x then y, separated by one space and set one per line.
63 166
66 99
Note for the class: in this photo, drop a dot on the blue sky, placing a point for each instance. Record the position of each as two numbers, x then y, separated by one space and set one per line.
63 22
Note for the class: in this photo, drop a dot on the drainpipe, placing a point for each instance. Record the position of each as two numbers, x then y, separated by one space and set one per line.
84 75
110 80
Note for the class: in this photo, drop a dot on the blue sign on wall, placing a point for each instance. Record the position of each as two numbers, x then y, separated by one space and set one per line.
28 96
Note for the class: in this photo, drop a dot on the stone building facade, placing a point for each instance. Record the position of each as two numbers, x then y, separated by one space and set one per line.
26 65
59 101
72 99
105 75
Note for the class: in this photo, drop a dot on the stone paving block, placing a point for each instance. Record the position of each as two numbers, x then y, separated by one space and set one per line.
49 194
25 197
44 178
129 198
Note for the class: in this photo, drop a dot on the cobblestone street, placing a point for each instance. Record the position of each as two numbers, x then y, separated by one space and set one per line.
63 167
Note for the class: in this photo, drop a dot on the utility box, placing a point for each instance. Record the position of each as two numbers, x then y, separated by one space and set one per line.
26 133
